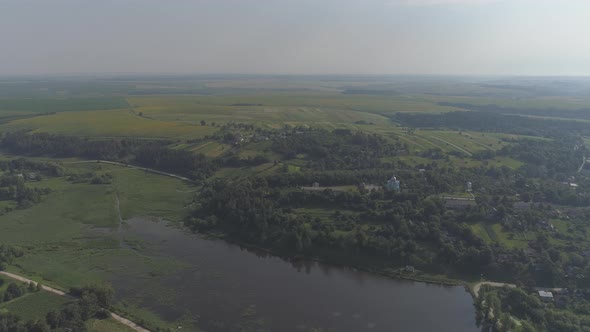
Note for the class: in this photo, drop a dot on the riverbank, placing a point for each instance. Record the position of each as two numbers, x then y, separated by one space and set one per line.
398 273
221 281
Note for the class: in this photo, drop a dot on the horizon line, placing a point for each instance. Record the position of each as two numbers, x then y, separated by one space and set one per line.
219 74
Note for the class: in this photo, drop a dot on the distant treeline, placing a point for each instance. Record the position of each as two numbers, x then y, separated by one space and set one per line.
45 105
369 92
494 122
148 153
582 113
245 104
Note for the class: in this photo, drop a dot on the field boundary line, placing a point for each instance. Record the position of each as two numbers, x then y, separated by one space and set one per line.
453 145
151 170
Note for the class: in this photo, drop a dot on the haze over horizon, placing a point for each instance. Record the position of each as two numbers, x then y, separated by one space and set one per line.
374 37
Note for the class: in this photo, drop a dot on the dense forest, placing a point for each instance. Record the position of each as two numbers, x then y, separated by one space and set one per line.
340 149
506 309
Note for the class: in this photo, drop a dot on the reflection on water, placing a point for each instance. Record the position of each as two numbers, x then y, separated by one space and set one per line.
228 288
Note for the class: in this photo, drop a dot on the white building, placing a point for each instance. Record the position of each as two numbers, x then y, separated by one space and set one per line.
546 296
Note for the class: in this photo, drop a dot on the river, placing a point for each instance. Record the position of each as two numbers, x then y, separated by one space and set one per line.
227 288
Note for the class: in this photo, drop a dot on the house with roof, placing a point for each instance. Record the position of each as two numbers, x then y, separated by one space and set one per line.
546 296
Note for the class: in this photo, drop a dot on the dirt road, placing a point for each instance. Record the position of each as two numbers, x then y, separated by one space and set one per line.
19 278
116 317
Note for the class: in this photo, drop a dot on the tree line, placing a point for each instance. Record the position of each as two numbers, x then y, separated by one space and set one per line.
147 153
493 122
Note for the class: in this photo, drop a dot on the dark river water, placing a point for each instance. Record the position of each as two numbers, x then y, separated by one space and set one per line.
227 288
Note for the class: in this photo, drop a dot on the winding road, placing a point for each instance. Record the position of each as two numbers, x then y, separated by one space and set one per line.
116 317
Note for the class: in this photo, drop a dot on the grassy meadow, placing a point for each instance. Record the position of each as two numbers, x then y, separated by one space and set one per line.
109 123
72 237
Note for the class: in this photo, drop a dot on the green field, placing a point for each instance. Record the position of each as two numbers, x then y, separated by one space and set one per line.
275 110
34 306
71 238
107 325
495 234
47 105
210 149
109 123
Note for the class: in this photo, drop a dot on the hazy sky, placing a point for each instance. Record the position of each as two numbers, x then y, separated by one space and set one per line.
518 37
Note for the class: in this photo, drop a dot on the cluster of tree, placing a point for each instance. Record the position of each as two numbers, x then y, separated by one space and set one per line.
434 179
497 307
554 159
330 178
195 166
406 227
42 144
12 323
105 178
91 303
103 293
338 149
13 187
90 177
8 254
147 153
14 290
23 165
243 209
